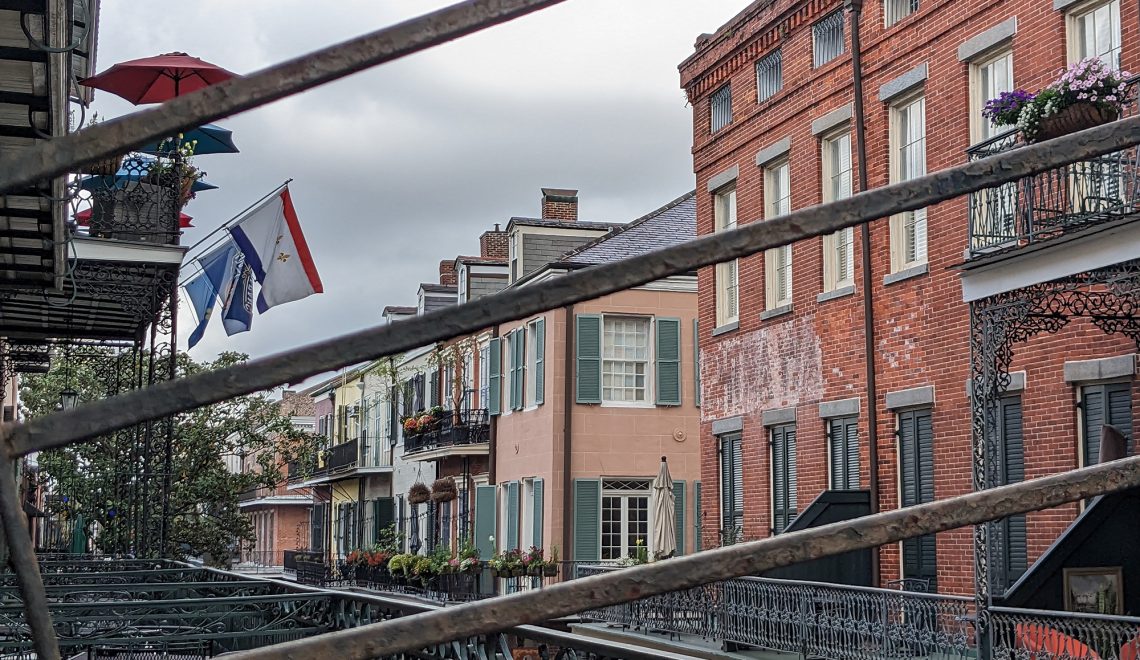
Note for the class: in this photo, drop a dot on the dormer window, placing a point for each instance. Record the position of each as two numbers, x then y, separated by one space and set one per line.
461 275
514 255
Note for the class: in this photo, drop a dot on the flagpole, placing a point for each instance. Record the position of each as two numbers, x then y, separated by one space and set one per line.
229 222
241 213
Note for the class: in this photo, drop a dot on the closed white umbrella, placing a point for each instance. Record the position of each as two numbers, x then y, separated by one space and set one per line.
664 517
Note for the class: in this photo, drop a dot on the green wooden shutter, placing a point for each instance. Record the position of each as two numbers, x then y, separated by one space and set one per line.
843 444
588 340
696 363
587 520
698 516
433 388
731 489
512 515
916 455
539 374
383 515
668 362
1012 560
1105 404
784 479
537 509
679 514
485 511
518 380
495 377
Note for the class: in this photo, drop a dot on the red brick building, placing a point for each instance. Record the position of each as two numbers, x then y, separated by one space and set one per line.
783 362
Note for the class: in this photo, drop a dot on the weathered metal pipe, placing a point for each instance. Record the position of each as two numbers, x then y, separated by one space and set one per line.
171 397
22 556
416 632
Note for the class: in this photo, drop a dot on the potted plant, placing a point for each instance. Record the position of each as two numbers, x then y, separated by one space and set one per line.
444 490
398 568
550 568
1088 93
411 426
533 561
418 493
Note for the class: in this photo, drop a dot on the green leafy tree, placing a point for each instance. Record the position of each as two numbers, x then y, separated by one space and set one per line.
116 481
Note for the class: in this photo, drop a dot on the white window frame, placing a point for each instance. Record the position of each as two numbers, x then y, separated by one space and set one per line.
777 202
530 355
1110 10
526 513
461 280
650 356
625 495
982 70
910 226
896 10
484 375
514 256
727 273
837 185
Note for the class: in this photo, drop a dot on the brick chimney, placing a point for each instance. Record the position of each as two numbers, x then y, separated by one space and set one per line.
493 244
447 275
559 204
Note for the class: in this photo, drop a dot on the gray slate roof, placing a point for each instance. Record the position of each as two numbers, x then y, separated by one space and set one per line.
674 223
562 224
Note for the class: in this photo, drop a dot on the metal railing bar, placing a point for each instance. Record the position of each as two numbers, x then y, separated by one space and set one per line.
408 634
56 157
22 556
170 397
1059 614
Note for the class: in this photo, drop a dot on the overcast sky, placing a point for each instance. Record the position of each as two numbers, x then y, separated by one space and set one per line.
406 164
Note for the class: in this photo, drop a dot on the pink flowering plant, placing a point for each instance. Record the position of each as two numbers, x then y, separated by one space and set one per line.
1089 81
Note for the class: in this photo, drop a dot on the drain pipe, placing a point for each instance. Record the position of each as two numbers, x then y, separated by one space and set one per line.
569 370
855 7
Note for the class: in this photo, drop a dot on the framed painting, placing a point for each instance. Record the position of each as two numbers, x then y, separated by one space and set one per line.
1094 590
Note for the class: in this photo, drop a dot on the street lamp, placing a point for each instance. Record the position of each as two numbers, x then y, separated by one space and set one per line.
68 399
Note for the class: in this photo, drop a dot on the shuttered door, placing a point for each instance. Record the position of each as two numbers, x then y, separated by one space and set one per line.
433 388
1012 559
512 515
537 509
485 520
698 516
1105 404
317 525
731 489
431 528
679 515
587 520
383 515
783 442
588 341
916 458
843 452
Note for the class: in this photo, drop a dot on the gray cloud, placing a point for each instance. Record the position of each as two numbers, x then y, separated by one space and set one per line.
404 165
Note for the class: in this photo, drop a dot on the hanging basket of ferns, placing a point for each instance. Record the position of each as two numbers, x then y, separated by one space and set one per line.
418 493
444 490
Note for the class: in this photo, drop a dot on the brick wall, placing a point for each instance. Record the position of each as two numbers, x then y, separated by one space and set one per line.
559 204
921 329
494 244
447 275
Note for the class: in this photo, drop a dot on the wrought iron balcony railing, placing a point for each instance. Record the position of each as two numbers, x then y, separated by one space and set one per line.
814 619
140 201
1055 202
343 456
462 429
1048 635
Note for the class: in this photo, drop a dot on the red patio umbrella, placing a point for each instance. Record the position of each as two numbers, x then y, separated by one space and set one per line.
159 78
84 218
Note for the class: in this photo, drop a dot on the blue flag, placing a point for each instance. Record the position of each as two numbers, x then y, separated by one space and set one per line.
213 283
237 312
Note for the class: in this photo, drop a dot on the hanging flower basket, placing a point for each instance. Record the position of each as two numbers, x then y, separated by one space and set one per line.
1073 118
444 490
418 493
